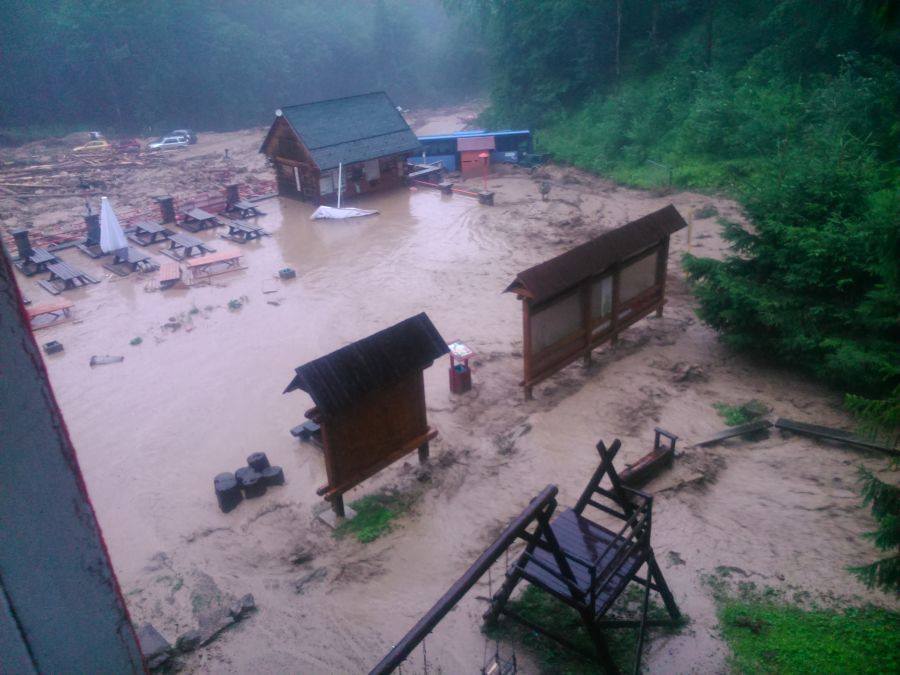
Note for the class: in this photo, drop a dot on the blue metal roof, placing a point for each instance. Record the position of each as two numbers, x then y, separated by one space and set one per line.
475 132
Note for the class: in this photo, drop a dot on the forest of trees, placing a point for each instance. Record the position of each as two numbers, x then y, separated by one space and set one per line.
134 65
790 106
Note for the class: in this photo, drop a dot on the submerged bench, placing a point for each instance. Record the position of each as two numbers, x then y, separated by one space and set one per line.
49 314
214 263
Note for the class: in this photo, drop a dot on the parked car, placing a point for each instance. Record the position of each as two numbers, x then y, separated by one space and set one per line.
98 145
187 133
169 143
129 145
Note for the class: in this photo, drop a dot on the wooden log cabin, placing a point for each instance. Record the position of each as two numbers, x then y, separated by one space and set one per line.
576 301
365 135
370 402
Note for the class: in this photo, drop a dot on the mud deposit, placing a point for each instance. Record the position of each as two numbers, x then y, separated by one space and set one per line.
203 390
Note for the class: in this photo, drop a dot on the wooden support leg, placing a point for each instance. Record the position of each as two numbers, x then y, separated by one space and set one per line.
498 602
659 309
603 655
423 453
586 360
337 505
655 574
529 393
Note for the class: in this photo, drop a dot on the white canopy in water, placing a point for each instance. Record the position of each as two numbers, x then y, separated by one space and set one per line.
112 238
338 214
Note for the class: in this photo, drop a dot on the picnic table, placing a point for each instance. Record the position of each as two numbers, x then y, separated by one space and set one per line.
64 277
183 246
129 259
49 314
243 209
196 220
36 262
214 263
147 232
243 232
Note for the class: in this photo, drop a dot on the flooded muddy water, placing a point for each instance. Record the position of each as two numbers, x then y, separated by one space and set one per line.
204 389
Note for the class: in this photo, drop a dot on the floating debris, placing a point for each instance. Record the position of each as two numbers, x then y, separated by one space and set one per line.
104 360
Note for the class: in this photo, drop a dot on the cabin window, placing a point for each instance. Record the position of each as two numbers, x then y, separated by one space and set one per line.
326 183
638 276
601 297
373 171
556 321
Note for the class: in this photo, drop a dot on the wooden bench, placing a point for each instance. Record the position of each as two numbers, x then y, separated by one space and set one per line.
243 232
64 277
243 209
36 262
50 314
749 428
196 220
128 260
147 232
651 464
182 246
215 263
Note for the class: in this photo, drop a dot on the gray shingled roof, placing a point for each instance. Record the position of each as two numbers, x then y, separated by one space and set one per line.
351 129
341 378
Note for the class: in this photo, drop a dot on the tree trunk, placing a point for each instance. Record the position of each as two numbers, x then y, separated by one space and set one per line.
618 37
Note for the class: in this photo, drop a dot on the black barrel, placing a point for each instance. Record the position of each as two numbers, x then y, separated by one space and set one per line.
254 485
228 492
258 461
273 475
245 473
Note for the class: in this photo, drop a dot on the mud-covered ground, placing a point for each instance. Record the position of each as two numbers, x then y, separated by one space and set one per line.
203 390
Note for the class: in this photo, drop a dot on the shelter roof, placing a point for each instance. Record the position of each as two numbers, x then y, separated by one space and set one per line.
350 129
341 378
551 277
475 143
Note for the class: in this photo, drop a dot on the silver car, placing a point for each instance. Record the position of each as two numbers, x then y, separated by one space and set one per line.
169 142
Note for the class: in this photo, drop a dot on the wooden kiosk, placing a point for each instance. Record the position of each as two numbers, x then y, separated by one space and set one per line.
578 300
370 402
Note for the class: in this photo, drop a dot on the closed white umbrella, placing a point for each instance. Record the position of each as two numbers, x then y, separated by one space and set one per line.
112 238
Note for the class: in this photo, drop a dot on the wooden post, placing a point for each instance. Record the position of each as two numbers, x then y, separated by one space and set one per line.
586 323
337 505
614 320
526 345
166 208
661 264
423 453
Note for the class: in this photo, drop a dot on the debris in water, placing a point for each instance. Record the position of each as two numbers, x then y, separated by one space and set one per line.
234 304
53 347
154 646
104 360
287 273
136 341
315 575
331 213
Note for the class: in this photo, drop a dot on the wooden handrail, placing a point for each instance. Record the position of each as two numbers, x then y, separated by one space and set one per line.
546 500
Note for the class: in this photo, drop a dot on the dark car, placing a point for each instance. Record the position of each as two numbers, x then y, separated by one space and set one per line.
187 133
128 145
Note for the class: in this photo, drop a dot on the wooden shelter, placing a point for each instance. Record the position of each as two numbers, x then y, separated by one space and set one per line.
370 402
364 135
576 301
474 154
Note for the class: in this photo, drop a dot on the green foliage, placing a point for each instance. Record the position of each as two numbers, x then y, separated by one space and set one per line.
374 514
735 415
884 500
879 419
773 638
546 611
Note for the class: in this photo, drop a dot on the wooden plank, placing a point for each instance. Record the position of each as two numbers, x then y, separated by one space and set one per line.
49 308
212 258
831 434
730 432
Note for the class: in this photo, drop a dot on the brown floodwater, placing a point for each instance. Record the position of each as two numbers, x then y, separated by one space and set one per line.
195 399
